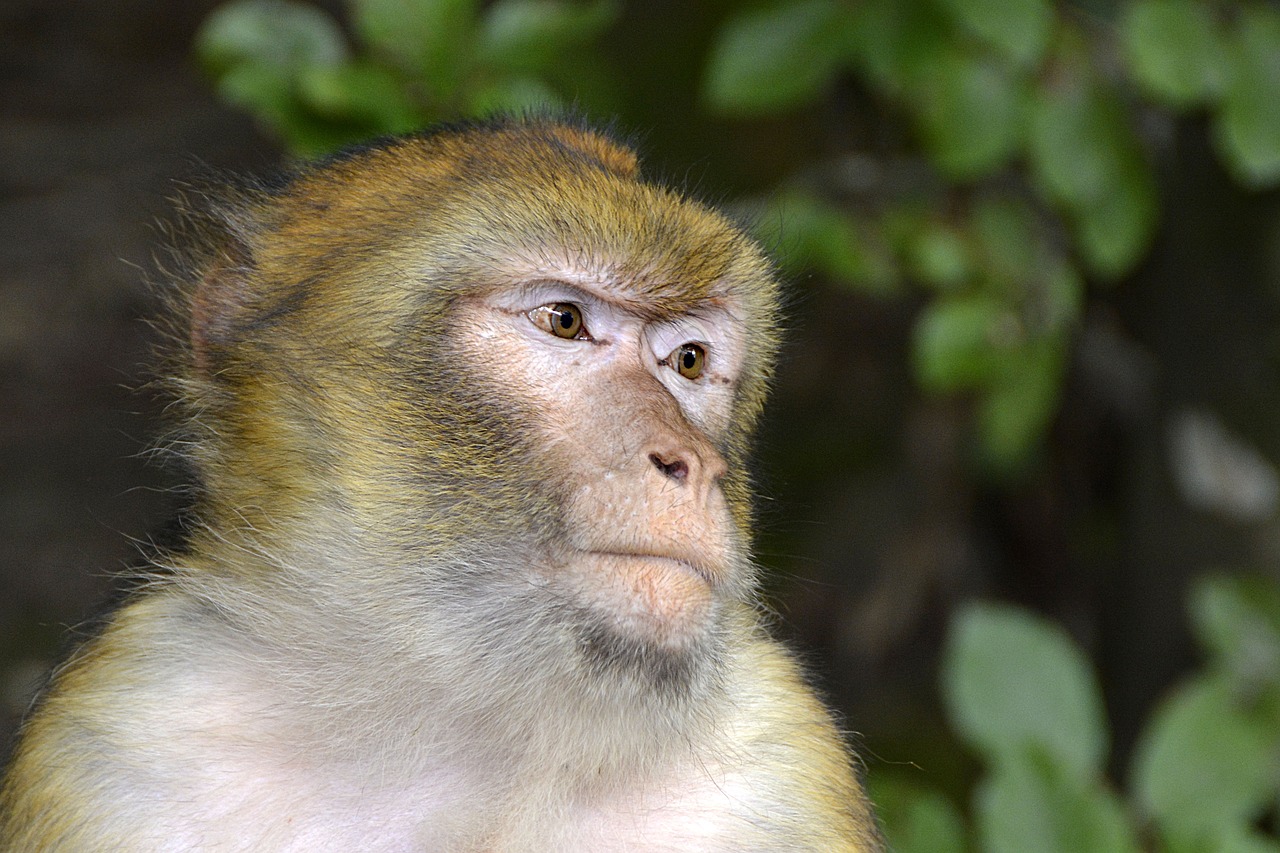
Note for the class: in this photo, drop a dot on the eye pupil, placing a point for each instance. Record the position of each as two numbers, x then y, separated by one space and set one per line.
689 360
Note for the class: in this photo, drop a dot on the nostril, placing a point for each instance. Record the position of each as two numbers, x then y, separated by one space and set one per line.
676 469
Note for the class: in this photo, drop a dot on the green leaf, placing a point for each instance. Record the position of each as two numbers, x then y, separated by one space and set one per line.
1013 682
1058 299
1019 258
806 232
514 95
530 35
429 38
259 50
261 89
1019 29
1175 49
940 255
1017 410
367 94
1087 158
1248 127
1029 804
1074 127
269 34
776 58
962 342
897 42
916 819
950 95
271 95
1115 231
1240 839
1203 765
1238 621
1007 239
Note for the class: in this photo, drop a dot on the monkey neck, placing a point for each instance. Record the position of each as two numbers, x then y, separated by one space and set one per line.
472 670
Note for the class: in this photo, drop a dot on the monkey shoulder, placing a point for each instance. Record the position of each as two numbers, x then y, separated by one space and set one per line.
160 734
794 763
122 727
72 772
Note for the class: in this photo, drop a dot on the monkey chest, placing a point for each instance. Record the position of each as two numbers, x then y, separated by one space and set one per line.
438 814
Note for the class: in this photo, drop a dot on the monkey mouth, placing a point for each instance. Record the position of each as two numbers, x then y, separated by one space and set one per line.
656 598
682 564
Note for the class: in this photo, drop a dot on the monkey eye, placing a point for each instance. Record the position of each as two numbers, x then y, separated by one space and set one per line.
562 319
688 360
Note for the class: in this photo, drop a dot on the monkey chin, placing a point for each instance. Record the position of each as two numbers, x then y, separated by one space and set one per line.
650 616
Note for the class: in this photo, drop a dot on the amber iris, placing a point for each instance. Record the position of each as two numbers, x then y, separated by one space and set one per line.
689 360
562 319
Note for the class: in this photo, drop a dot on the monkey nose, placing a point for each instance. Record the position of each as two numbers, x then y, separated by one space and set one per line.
684 465
676 469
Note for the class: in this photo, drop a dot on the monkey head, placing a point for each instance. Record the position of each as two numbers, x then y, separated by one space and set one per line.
488 370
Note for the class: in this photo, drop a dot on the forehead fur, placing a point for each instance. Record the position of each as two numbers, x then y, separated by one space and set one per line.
474 206
354 262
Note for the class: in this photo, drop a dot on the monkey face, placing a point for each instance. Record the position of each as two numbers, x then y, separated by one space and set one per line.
628 408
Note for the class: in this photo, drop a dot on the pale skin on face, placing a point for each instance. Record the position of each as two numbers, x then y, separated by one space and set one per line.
631 407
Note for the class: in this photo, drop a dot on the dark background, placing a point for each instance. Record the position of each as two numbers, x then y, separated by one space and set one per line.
100 110
872 524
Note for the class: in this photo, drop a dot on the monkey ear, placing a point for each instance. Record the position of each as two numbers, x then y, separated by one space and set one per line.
219 299
615 158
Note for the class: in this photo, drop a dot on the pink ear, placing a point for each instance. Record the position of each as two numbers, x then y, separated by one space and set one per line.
220 299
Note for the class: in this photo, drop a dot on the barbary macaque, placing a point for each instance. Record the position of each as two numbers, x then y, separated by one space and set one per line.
468 567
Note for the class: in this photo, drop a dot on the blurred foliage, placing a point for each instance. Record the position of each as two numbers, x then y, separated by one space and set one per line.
1024 176
1016 166
1206 772
406 64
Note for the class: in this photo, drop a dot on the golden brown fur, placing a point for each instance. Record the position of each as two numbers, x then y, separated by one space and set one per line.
453 583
